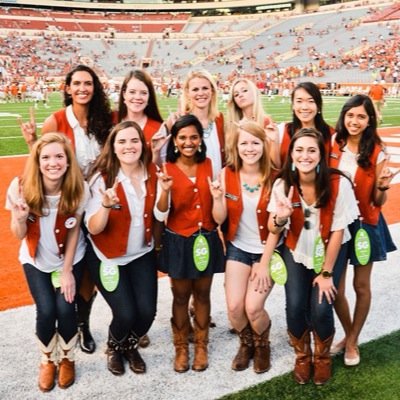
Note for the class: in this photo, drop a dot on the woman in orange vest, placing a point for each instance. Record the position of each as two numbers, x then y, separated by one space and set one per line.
244 104
119 218
359 151
86 120
241 200
46 206
306 103
192 250
313 205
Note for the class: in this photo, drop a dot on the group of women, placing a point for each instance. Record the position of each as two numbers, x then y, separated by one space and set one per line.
108 198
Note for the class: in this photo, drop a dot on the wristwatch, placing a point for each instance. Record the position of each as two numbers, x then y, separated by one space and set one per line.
326 274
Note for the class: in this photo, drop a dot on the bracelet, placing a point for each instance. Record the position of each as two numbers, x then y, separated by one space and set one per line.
105 206
383 188
276 223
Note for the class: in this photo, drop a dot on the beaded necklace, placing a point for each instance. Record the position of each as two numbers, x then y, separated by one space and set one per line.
251 189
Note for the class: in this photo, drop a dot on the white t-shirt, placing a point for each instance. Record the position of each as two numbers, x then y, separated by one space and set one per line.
47 256
345 212
136 239
213 149
247 237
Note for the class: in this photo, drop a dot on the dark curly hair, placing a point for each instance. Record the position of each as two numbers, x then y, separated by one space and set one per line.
99 117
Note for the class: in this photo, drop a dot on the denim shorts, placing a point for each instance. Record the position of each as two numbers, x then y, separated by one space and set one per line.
235 254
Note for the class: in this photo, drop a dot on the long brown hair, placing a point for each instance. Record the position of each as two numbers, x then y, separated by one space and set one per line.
72 187
107 163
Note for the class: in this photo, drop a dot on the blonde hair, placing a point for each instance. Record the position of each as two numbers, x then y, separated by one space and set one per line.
235 113
235 162
185 102
72 187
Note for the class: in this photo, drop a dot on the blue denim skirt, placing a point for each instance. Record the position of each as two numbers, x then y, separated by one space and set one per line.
379 236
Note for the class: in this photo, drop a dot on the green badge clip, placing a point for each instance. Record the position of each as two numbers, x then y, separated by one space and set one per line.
201 253
362 246
277 269
109 276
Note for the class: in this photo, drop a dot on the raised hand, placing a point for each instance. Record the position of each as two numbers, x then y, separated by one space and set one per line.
28 129
386 175
215 188
164 180
19 209
110 197
159 139
284 206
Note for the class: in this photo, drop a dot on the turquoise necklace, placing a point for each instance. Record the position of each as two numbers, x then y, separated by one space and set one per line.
251 189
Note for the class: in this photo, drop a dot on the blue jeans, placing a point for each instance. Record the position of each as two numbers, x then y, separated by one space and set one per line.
134 301
303 311
53 313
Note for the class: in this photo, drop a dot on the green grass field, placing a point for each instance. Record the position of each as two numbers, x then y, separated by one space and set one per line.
377 377
12 143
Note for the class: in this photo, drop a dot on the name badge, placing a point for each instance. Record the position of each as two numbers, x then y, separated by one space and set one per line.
318 254
277 268
362 246
109 276
201 253
231 196
56 279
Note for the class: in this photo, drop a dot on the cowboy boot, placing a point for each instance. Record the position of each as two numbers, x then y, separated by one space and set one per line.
115 349
262 352
86 341
66 366
48 368
322 359
246 349
144 341
200 362
181 343
131 353
302 367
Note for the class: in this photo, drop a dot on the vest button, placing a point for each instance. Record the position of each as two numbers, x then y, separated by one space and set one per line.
261 227
148 230
145 215
197 205
61 245
195 190
264 241
258 211
57 231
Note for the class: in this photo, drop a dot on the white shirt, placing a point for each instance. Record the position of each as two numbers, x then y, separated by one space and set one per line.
47 255
344 213
136 246
87 147
213 149
247 237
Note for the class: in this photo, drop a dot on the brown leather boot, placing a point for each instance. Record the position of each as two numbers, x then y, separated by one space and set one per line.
200 362
262 352
322 359
115 362
302 367
66 369
246 349
131 353
181 343
48 367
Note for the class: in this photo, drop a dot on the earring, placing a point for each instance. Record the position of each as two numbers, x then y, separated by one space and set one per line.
176 149
317 169
199 148
293 168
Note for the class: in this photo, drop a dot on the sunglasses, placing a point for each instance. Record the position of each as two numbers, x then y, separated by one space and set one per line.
307 214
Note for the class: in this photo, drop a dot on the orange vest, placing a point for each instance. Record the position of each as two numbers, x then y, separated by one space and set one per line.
150 129
63 126
326 215
191 203
33 233
234 203
113 240
364 184
286 142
